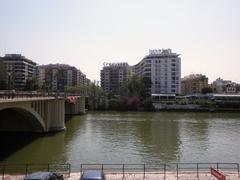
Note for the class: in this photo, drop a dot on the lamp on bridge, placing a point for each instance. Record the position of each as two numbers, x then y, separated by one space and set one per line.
9 80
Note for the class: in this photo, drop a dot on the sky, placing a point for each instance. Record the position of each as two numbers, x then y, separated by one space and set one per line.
87 33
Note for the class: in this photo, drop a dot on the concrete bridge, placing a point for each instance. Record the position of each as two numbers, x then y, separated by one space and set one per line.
37 114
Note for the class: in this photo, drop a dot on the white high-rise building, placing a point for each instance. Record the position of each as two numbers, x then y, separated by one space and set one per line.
163 67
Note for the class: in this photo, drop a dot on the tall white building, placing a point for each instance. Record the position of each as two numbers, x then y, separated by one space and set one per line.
163 67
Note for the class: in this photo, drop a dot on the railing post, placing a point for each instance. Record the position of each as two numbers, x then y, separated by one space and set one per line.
123 172
3 172
144 171
177 170
69 170
238 170
81 170
102 167
48 167
217 166
164 171
26 170
197 171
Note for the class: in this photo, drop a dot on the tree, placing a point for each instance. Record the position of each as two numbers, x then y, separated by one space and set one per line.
31 84
206 90
3 85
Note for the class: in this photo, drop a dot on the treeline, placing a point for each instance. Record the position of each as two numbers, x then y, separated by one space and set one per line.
134 96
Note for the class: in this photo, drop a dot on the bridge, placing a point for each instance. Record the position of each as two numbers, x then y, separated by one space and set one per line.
37 114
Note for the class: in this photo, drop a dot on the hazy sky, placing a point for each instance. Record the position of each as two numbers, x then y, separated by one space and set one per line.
86 33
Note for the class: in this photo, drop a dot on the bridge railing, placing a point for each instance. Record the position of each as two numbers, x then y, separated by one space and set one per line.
25 169
11 94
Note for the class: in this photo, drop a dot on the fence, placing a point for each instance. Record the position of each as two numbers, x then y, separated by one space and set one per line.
25 169
142 169
178 168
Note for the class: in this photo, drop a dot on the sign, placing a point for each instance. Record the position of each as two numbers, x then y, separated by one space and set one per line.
155 51
217 174
115 64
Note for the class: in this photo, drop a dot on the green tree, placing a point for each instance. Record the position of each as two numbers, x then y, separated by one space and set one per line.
31 84
206 90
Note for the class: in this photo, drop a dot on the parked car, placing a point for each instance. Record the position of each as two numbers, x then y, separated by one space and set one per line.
93 175
44 176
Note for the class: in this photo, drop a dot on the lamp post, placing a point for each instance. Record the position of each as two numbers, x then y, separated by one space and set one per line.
9 83
9 76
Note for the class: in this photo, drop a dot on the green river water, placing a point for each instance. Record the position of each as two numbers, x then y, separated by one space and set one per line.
131 137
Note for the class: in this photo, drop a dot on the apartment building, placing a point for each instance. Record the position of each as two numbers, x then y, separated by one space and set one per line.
56 77
221 86
114 76
17 71
193 83
163 67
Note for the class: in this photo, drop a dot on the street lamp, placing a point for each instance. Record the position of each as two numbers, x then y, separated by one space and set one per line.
9 75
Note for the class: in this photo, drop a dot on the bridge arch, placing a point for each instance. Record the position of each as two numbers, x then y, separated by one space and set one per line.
20 119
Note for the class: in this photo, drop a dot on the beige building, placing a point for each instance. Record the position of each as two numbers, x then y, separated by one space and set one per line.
221 86
193 83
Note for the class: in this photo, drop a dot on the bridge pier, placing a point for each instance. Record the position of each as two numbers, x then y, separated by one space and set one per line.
54 115
78 107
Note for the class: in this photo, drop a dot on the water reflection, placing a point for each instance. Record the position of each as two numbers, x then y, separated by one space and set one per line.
159 135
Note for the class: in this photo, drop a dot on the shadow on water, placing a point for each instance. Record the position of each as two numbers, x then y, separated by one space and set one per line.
43 146
15 131
12 142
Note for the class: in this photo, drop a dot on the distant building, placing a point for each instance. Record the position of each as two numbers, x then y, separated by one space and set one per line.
221 86
56 77
163 67
114 76
193 83
18 71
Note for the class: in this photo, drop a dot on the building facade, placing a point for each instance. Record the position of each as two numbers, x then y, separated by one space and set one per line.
114 76
163 67
221 86
57 77
18 71
193 83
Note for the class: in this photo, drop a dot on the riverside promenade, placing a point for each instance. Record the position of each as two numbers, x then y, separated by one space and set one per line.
182 171
148 176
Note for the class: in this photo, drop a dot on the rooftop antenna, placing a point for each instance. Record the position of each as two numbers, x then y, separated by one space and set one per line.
5 49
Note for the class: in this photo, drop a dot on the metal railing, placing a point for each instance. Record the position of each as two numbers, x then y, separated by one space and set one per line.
178 168
124 169
25 169
9 94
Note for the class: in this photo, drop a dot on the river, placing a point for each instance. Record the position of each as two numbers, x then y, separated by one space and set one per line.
131 137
